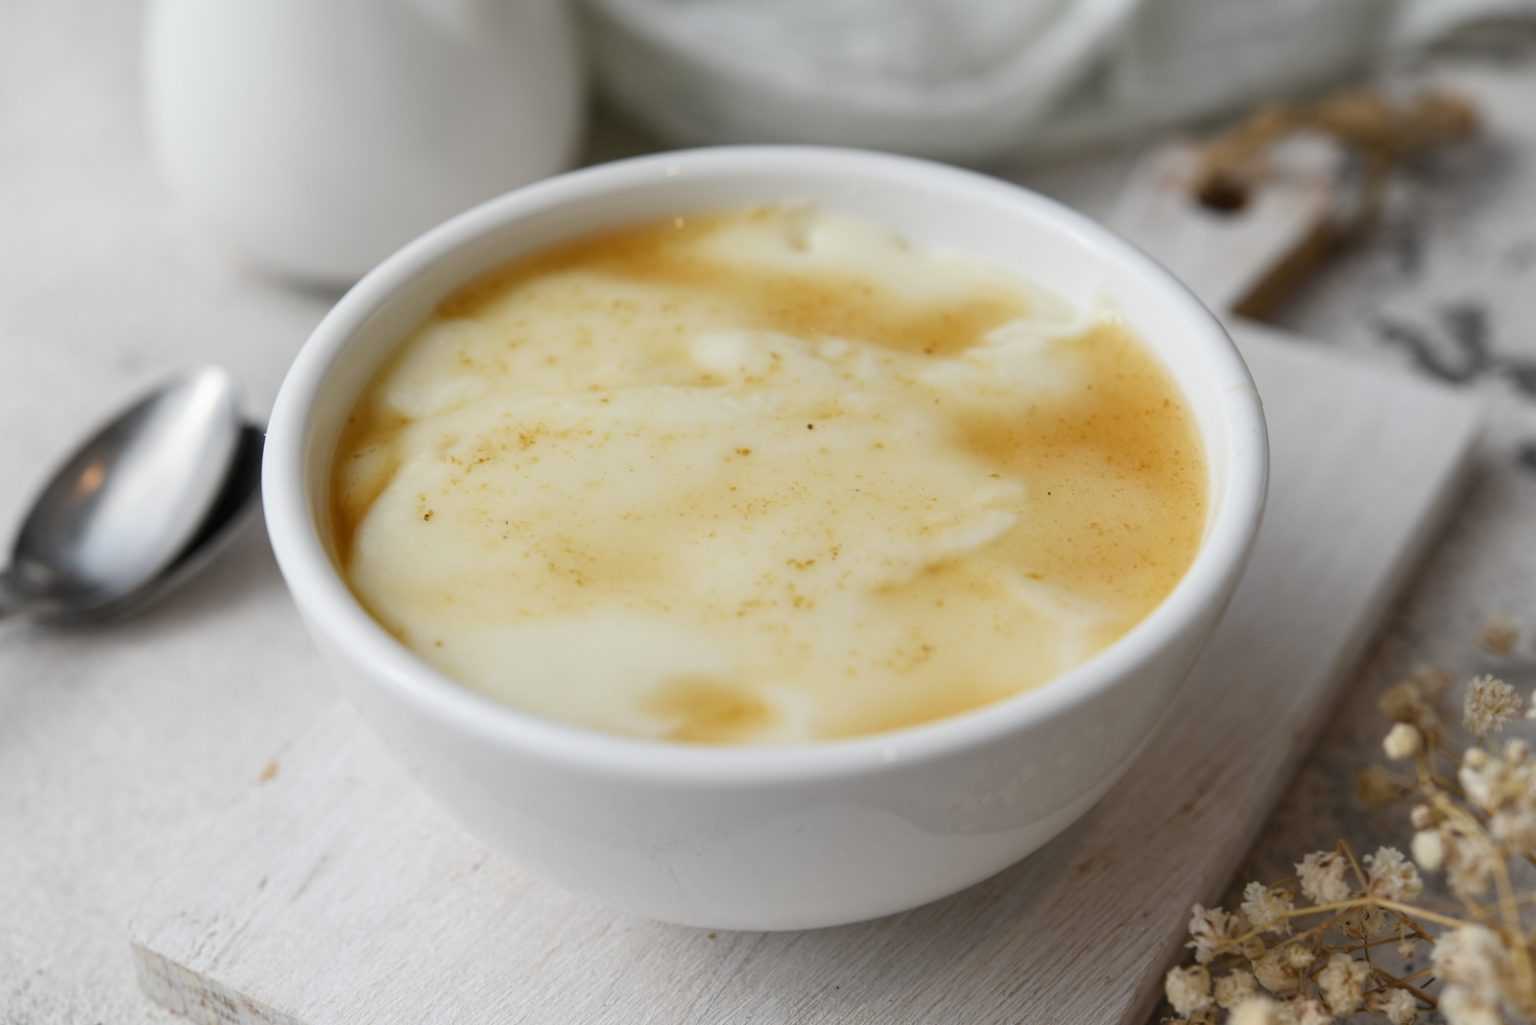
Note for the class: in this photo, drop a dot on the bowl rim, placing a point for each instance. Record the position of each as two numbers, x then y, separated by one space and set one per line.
331 609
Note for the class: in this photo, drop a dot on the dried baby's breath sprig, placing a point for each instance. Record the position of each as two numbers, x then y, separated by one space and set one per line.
1342 983
1212 931
1311 1012
1232 989
1261 1011
1412 701
1267 908
1404 702
1429 849
1322 876
1188 989
1489 704
1380 130
1392 875
1279 962
1402 741
1398 1006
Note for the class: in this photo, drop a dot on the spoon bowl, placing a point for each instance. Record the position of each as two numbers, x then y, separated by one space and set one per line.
233 510
130 503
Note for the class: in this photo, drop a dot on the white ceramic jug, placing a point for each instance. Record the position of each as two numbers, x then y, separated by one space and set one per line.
317 136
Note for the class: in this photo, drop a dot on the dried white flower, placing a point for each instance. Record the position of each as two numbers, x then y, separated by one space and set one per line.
1471 958
1499 635
1398 1005
1370 921
1274 974
1310 1012
1188 989
1489 704
1470 860
1403 741
1299 958
1212 931
1429 849
1515 829
1391 875
1504 787
1262 1011
1423 816
1321 875
1342 982
1267 909
1479 777
1234 988
1461 1006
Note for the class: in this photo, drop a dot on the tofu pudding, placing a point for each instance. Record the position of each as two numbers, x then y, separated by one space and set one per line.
763 476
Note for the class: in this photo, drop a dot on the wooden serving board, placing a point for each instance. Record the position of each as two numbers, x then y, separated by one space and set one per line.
337 894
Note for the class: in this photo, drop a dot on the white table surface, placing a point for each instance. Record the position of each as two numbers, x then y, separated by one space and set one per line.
109 738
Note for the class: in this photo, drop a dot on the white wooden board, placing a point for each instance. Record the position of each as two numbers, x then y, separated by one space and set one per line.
1246 260
337 894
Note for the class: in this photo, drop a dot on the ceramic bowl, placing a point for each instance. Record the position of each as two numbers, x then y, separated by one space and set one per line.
791 837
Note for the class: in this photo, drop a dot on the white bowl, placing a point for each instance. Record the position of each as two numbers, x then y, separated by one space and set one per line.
796 837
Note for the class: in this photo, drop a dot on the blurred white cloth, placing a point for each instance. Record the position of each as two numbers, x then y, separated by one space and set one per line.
975 79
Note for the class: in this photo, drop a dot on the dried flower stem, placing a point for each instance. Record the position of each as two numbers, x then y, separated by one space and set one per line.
1345 849
1405 911
1418 930
1409 910
1403 983
1368 944
1525 977
1378 131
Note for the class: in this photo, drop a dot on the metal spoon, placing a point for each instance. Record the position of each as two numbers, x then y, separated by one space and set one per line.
132 510
232 509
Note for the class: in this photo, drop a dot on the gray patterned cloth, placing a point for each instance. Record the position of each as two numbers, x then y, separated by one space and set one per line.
994 79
